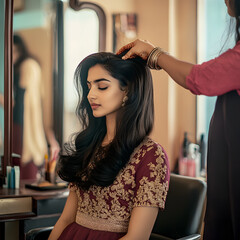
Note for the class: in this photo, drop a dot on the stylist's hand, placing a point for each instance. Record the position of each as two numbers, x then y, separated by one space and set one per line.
139 48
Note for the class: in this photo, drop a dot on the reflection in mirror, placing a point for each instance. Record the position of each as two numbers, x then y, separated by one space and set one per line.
32 90
84 33
81 31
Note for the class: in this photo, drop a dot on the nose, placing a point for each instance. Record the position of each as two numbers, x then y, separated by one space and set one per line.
91 94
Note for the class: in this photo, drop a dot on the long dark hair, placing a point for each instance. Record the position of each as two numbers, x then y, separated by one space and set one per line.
134 122
235 5
23 51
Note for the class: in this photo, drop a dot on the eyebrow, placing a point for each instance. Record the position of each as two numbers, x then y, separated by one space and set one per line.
99 80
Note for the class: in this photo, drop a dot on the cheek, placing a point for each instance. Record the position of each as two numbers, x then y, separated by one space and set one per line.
118 97
114 99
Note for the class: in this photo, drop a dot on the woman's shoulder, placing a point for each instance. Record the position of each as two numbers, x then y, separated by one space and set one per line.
30 63
149 145
30 71
150 164
149 151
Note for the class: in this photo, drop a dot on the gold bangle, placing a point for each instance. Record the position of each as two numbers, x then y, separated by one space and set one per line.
152 61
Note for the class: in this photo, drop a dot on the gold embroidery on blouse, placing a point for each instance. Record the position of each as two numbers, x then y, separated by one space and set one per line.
101 224
114 203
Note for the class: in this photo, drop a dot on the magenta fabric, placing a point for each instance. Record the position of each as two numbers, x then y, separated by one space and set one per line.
217 76
75 231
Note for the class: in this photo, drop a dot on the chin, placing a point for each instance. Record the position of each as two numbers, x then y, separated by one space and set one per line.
97 115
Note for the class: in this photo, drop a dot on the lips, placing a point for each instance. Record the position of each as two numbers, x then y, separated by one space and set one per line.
95 106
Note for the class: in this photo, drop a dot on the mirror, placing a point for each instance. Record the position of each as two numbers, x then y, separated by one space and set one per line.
44 100
33 24
2 16
77 45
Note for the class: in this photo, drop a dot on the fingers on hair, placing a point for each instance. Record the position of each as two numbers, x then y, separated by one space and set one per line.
128 55
128 46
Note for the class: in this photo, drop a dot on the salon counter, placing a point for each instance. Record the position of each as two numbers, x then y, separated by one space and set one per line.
29 209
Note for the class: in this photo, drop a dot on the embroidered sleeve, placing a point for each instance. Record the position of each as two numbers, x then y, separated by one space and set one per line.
152 177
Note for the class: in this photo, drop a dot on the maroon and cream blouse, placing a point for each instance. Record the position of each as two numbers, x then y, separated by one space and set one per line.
143 182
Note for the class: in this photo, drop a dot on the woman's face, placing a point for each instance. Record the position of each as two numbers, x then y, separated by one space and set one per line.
229 4
105 95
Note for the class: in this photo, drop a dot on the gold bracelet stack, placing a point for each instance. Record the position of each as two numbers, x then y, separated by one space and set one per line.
152 61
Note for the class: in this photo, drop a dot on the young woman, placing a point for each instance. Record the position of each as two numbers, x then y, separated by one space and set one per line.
217 77
118 176
27 111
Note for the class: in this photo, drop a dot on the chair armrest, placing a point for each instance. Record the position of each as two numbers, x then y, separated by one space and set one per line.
191 237
39 233
155 236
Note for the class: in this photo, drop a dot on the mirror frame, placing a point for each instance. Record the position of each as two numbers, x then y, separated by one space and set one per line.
78 5
8 35
58 105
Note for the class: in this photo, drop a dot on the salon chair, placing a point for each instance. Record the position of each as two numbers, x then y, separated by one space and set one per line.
184 210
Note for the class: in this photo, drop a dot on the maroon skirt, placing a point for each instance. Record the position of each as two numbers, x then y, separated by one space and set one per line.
75 231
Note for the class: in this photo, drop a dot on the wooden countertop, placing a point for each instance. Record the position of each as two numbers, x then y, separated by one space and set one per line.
26 202
27 192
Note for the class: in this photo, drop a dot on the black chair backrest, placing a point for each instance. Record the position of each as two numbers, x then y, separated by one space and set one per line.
184 208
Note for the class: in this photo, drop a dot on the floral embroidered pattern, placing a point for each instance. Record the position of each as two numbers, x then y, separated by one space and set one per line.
143 182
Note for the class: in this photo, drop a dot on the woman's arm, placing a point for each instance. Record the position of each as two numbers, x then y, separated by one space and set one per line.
212 78
141 223
54 145
177 69
68 216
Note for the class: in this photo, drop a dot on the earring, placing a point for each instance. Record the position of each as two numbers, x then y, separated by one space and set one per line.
124 100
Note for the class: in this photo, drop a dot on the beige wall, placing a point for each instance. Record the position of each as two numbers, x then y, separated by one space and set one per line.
170 24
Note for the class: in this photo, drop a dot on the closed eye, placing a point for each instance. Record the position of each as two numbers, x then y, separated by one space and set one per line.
102 88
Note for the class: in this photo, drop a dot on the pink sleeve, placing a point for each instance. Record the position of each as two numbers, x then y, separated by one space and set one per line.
217 76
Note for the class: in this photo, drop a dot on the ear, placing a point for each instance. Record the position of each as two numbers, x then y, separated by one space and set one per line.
125 89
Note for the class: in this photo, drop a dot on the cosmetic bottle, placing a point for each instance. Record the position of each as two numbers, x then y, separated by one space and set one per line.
193 160
8 179
182 163
202 145
17 176
12 178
